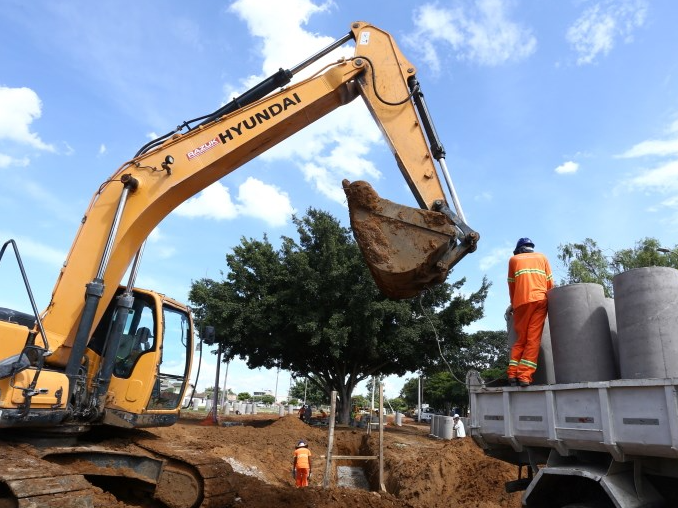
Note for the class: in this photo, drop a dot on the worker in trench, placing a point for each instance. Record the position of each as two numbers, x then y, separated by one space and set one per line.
301 464
529 279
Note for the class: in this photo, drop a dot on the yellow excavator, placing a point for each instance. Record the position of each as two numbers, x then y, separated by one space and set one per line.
97 359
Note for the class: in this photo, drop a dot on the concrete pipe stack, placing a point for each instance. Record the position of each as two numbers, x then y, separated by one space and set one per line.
442 427
580 334
646 304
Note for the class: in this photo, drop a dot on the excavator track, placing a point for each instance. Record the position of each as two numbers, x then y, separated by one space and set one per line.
27 482
139 470
182 465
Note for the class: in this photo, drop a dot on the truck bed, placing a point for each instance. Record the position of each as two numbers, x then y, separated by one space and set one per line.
628 417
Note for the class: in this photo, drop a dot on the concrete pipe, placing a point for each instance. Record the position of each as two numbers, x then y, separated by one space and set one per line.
580 334
447 427
646 304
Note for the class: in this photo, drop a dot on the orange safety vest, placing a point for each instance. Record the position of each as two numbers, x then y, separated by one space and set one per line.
529 278
302 455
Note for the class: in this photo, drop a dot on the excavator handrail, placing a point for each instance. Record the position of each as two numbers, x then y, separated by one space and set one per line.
29 291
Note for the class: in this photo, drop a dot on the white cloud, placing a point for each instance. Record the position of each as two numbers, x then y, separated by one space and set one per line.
160 246
596 31
18 108
102 149
652 147
567 167
51 201
497 256
212 203
7 161
265 202
480 32
255 199
31 249
156 235
663 178
329 150
280 26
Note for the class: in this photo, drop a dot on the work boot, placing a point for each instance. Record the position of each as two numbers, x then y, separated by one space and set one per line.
523 384
512 381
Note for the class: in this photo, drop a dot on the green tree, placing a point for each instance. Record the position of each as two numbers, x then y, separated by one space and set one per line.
397 404
209 392
314 394
243 396
444 385
311 307
268 399
587 262
409 392
360 401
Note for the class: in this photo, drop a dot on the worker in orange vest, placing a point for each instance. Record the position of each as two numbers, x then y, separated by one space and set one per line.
529 278
301 464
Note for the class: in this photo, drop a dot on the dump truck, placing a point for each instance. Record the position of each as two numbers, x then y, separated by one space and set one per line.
599 427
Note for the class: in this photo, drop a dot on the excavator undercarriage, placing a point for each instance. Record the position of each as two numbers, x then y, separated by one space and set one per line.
134 467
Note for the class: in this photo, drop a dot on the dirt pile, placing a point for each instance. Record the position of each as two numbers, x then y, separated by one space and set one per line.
418 471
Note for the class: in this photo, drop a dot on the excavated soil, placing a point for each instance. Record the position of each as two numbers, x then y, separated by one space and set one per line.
418 471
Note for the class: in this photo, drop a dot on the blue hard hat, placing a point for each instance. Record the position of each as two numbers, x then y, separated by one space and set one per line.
523 242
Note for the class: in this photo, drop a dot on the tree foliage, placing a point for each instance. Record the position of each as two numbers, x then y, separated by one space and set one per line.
587 262
444 387
311 307
309 392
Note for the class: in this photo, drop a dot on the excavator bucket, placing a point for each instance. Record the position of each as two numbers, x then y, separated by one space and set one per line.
406 249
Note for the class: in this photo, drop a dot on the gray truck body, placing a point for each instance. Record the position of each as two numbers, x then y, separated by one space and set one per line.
594 444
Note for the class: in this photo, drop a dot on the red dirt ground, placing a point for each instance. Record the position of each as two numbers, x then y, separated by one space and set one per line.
418 471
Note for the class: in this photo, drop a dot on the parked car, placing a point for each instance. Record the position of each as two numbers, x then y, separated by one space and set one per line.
426 414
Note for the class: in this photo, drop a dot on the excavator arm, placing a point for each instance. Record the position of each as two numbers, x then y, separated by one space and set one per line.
406 248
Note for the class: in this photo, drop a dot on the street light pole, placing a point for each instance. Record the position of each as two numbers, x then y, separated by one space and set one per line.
276 385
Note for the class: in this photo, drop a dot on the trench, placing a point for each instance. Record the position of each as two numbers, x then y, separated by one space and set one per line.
355 474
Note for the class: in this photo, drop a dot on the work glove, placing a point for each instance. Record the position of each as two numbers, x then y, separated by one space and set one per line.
309 475
294 473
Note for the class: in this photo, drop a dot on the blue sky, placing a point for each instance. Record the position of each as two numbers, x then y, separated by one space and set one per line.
560 122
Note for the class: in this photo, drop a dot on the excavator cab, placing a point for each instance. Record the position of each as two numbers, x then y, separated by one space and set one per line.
151 363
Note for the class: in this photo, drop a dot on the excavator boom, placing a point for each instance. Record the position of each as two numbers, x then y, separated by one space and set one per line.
144 190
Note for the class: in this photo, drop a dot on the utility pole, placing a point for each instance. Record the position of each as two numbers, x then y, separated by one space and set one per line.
224 396
374 383
277 374
419 398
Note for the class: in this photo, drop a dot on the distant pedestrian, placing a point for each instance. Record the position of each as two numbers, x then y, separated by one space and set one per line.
458 426
308 413
302 412
529 278
301 464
